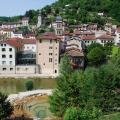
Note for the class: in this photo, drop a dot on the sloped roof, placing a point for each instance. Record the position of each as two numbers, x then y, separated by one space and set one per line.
105 37
88 37
12 43
74 52
48 36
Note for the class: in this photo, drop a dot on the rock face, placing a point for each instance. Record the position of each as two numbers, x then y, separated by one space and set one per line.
32 104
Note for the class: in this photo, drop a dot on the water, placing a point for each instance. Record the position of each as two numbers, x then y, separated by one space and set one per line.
12 85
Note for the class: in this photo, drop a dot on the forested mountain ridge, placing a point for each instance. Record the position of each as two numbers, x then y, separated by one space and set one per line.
78 11
84 11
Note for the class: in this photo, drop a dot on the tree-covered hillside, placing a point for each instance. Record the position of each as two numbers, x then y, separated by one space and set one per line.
84 11
78 11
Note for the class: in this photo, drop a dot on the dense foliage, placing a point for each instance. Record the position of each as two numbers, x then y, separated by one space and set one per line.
5 107
93 88
86 10
81 114
76 12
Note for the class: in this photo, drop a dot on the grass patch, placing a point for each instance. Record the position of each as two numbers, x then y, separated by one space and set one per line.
115 116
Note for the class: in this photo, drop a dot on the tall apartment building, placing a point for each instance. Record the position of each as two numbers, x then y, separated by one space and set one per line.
8 50
48 49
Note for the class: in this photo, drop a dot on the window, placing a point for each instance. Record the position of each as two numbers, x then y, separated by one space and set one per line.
40 41
4 69
10 62
11 69
39 53
10 49
4 44
50 54
3 56
10 56
56 41
3 62
3 49
50 59
50 41
1 44
50 47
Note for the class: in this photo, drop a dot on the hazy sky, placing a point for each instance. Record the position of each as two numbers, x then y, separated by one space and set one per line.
19 7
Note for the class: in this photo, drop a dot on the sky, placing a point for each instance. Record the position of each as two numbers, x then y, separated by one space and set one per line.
19 7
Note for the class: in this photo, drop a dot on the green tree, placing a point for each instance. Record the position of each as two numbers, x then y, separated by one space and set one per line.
65 66
107 82
94 45
68 87
72 114
96 57
5 107
82 114
29 85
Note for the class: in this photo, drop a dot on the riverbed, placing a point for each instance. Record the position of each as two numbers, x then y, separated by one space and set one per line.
15 85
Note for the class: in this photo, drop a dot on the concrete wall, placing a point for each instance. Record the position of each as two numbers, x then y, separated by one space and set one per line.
28 47
32 69
7 69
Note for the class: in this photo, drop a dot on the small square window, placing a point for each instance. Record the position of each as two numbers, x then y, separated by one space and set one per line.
10 62
10 49
3 56
50 54
50 47
11 69
4 69
50 59
40 41
10 56
3 62
3 49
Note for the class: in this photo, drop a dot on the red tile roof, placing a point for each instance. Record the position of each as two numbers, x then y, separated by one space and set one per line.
29 41
7 29
24 41
77 32
105 37
48 36
75 52
88 38
12 43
